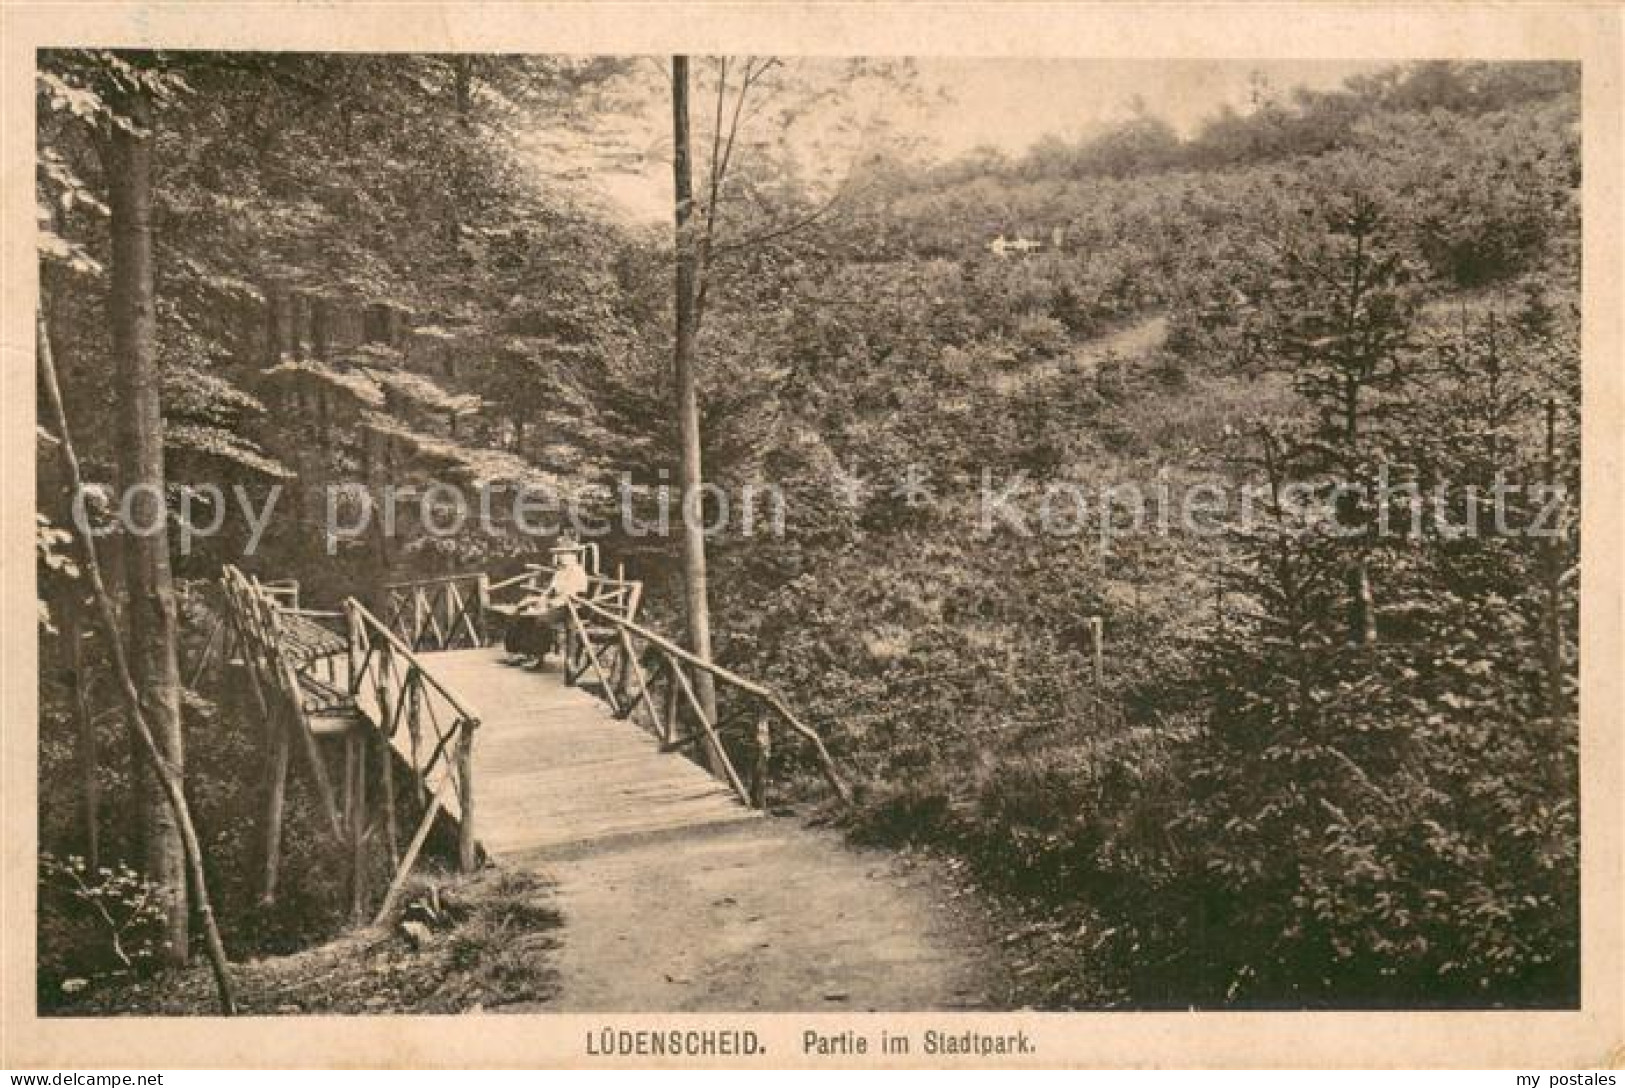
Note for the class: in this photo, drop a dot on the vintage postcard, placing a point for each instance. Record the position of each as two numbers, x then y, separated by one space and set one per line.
807 535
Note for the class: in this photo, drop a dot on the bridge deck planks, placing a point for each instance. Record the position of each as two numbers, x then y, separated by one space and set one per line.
553 768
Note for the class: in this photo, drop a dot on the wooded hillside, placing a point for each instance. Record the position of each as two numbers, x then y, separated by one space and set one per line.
1237 761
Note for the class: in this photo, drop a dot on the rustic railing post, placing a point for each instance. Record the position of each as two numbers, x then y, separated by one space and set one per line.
566 652
276 794
404 869
764 755
414 728
1097 638
385 689
386 775
482 608
674 706
465 795
709 742
634 670
300 722
625 690
604 676
357 766
352 625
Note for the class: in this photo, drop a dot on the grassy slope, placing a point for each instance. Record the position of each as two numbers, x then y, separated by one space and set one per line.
495 947
1030 782
962 746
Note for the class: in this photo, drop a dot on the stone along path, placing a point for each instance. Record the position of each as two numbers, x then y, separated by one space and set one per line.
677 897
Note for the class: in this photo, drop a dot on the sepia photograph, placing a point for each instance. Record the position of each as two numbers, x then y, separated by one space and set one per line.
528 533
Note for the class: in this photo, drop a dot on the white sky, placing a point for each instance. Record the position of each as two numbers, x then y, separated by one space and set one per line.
1009 104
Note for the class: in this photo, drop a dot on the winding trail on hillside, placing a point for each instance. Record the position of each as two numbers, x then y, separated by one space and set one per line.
676 897
1137 338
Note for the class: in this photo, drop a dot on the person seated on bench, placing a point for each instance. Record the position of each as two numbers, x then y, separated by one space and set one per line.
532 632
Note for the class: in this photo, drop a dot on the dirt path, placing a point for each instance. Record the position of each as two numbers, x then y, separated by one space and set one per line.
768 915
674 896
1135 339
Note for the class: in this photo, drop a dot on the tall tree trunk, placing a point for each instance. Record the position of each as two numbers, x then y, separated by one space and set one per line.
462 68
155 666
695 591
166 775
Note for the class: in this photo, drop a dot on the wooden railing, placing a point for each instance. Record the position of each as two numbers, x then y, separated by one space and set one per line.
367 687
354 675
276 665
284 592
463 611
445 613
427 724
459 611
643 675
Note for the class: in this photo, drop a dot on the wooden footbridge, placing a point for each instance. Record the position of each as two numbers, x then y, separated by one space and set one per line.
433 728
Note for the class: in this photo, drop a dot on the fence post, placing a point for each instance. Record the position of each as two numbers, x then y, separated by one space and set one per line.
764 754
626 666
482 607
386 697
356 764
352 625
465 795
1097 631
275 799
673 704
386 774
414 729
